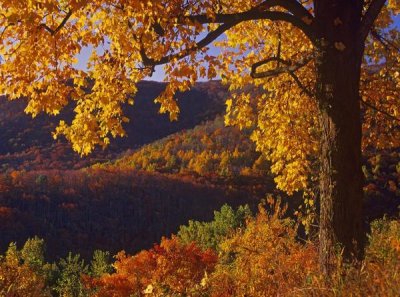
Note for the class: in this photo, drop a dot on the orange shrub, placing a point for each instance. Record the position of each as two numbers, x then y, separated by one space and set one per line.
168 268
264 259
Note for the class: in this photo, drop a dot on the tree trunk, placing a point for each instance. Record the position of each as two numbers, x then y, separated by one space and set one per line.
338 76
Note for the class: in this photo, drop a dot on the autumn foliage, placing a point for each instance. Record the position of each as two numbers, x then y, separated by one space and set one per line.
168 268
315 85
109 209
210 149
26 142
152 33
21 273
266 258
263 257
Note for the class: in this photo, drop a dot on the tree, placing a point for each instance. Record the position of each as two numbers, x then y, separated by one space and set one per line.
312 61
19 273
100 263
69 282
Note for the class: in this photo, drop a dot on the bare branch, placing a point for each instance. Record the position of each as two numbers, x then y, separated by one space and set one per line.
369 17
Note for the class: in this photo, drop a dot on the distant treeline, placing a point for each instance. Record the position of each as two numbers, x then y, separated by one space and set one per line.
109 209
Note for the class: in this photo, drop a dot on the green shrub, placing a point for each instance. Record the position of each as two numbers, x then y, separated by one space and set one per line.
210 234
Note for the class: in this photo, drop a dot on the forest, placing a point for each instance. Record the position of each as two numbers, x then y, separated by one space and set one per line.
199 148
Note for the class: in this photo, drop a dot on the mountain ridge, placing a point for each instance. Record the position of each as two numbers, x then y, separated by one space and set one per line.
26 143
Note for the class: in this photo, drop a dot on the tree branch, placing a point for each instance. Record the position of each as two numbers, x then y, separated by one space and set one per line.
287 68
5 29
228 21
292 6
384 41
379 110
59 27
210 37
369 17
298 16
304 89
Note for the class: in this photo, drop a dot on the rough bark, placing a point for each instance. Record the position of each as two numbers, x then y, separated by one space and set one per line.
341 180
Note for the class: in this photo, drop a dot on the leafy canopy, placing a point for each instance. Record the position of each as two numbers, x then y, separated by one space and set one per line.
40 42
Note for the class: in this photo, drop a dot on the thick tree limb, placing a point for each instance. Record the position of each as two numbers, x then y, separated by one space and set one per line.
298 16
228 21
210 37
292 6
369 18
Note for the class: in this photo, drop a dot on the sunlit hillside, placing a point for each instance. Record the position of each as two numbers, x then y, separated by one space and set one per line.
209 150
27 143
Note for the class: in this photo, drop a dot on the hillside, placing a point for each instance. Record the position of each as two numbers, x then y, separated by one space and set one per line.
84 210
209 150
212 152
26 143
45 189
185 168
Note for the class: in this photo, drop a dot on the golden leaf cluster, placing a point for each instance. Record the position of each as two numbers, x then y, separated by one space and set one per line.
41 42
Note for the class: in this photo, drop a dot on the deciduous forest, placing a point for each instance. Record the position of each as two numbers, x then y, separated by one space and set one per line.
199 148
